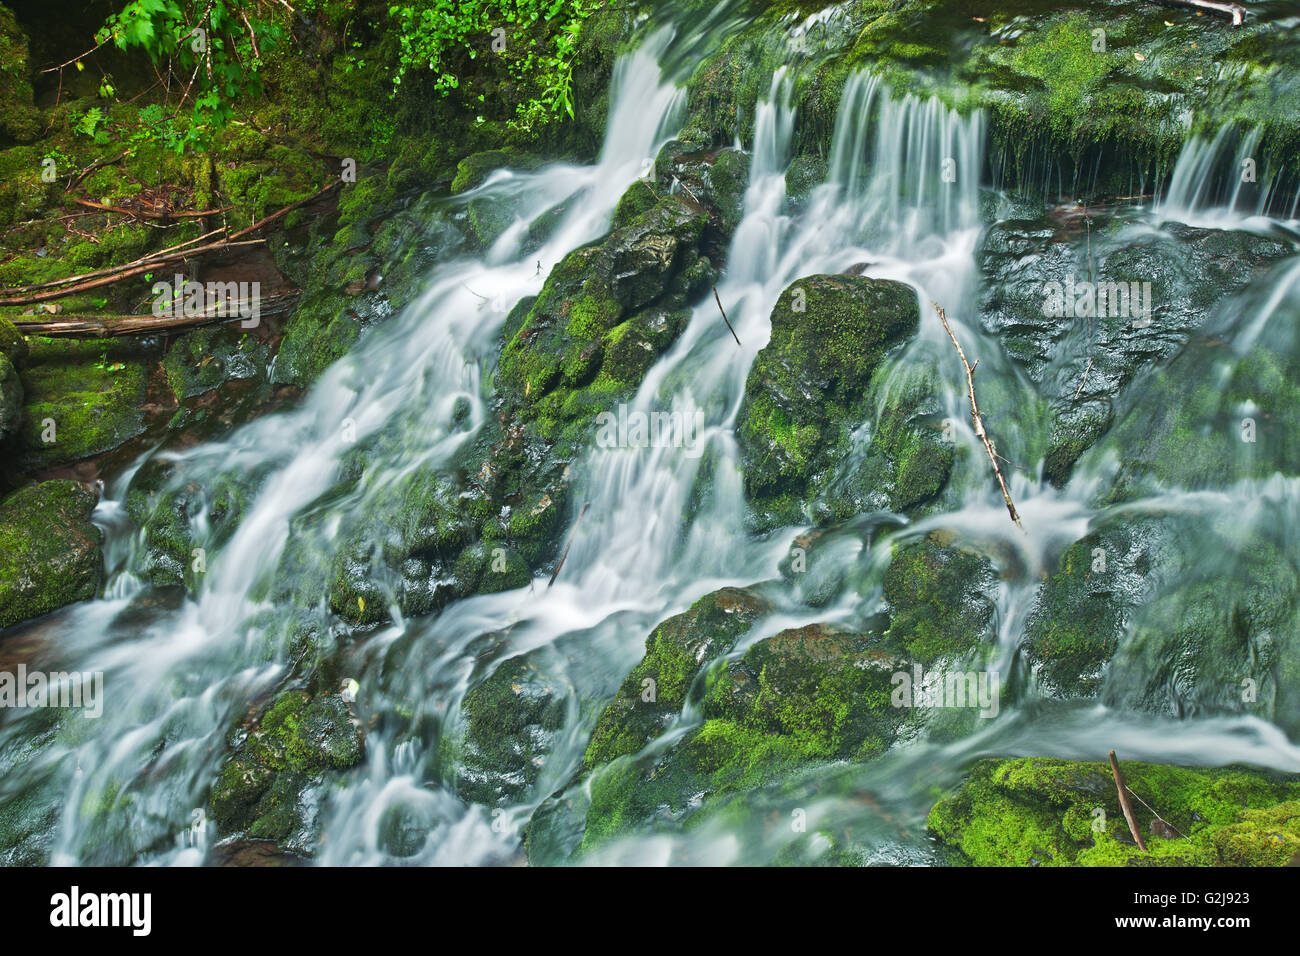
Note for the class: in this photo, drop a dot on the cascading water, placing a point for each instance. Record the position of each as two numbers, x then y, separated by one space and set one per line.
659 527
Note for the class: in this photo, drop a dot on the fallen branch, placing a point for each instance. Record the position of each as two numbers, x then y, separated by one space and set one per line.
1125 804
977 420
149 213
574 530
118 276
109 326
71 285
1234 10
717 299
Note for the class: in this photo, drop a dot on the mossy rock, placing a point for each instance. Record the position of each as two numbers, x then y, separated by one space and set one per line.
1035 811
261 787
940 600
13 345
825 690
655 692
808 386
791 704
94 406
474 169
49 550
19 117
199 361
512 718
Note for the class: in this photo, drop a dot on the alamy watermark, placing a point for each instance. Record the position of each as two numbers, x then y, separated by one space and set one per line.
922 689
637 429
75 689
1120 300
182 297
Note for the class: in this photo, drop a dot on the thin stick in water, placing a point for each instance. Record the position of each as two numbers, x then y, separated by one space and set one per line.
568 544
977 420
724 315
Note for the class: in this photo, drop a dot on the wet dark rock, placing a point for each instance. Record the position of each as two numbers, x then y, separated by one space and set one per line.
263 786
512 718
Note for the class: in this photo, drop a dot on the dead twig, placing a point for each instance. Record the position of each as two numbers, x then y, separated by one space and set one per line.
1078 391
574 530
717 299
109 326
1125 803
977 420
29 295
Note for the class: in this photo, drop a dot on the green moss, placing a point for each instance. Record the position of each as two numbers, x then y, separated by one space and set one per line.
938 600
827 691
49 550
94 407
511 720
299 738
829 334
654 693
1038 811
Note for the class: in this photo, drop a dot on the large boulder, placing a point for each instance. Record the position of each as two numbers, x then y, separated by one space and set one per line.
808 387
512 719
49 550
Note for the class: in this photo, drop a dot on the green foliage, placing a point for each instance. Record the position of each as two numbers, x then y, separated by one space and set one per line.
535 39
214 48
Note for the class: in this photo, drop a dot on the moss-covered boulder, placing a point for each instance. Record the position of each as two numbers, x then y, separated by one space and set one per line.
793 701
82 400
807 389
200 361
827 691
940 599
1034 811
49 550
512 718
262 786
656 690
1135 297
1084 607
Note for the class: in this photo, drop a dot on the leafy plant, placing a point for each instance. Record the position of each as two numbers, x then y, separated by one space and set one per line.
536 40
214 50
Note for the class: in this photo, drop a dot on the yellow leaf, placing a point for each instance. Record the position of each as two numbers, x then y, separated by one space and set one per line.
1139 56
80 66
361 603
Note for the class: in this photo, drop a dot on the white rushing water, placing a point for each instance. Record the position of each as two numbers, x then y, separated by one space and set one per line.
664 525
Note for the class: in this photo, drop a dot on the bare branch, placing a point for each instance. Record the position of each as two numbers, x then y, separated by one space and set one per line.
1125 803
977 420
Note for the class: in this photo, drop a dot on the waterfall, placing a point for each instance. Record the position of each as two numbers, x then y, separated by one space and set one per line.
656 528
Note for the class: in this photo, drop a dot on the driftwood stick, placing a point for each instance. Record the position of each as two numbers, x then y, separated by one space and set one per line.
977 420
1125 803
1234 10
556 573
718 300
